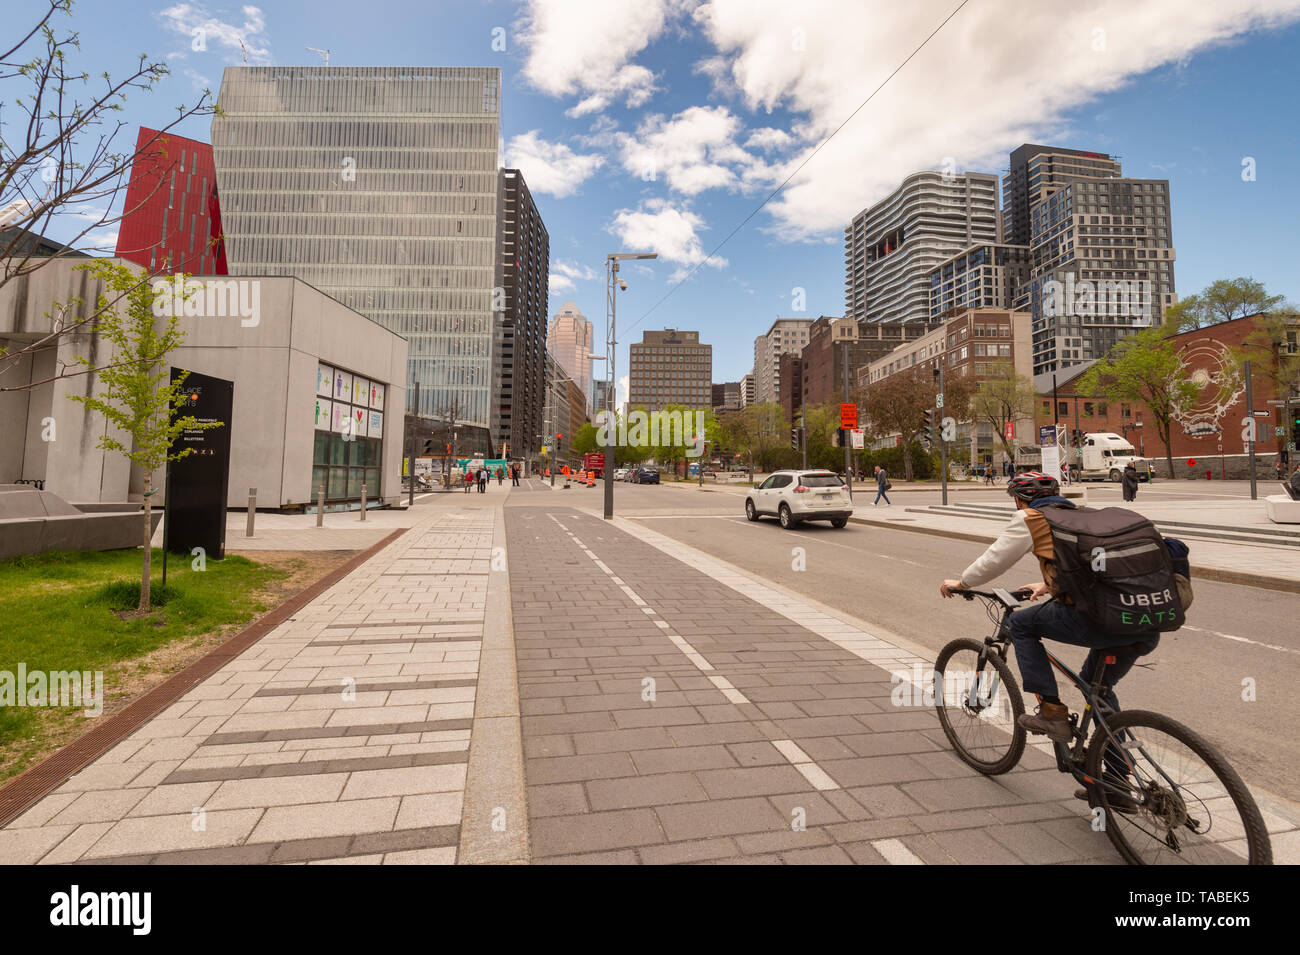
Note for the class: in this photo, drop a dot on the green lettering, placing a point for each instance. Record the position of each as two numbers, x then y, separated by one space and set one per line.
1125 617
1145 621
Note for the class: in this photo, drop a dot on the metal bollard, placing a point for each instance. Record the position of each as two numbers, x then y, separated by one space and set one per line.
320 507
363 502
252 511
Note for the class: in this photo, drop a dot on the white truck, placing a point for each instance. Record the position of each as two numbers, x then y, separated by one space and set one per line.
1102 456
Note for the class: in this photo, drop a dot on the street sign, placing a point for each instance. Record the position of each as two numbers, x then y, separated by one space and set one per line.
938 400
1262 414
1278 431
859 439
1220 447
848 416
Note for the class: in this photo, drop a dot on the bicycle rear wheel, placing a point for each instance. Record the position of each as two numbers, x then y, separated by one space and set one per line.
1170 797
978 707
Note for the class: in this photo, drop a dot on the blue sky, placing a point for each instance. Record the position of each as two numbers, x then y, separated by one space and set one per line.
662 124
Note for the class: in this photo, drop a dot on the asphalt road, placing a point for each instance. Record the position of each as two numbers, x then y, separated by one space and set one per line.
1245 637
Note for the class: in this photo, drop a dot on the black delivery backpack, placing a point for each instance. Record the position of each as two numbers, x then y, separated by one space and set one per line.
1116 569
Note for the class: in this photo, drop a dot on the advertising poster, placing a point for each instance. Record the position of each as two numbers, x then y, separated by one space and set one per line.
359 422
338 417
360 390
324 381
323 413
375 428
377 396
1051 453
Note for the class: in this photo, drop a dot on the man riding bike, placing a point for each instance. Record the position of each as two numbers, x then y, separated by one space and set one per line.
1056 619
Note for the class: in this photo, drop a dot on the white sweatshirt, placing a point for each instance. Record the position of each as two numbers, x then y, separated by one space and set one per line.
1014 543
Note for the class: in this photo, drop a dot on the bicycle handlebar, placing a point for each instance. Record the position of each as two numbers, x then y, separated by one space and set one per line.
1022 594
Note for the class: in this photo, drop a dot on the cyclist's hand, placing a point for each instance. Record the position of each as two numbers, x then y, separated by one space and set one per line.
948 586
1035 590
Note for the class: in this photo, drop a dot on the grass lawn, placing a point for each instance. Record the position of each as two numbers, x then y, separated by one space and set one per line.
59 611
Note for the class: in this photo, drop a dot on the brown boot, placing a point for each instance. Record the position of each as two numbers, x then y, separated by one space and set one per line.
1052 720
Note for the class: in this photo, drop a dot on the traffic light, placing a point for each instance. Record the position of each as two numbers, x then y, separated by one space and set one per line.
449 449
794 439
559 442
927 430
427 447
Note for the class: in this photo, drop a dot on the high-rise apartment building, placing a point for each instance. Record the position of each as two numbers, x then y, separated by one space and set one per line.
670 367
569 339
171 221
378 186
1038 171
785 335
891 248
986 276
519 350
1103 266
747 391
726 397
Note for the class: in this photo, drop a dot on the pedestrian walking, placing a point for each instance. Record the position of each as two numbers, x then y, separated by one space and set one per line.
500 475
482 480
882 485
1129 481
514 476
469 479
988 473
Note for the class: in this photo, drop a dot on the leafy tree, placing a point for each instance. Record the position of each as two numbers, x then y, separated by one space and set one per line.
59 155
584 442
896 405
1144 367
137 394
1000 399
1223 301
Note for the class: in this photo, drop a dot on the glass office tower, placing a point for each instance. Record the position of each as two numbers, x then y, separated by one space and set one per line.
377 185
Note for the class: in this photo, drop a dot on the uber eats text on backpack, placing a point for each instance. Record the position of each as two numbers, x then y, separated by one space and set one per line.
1117 570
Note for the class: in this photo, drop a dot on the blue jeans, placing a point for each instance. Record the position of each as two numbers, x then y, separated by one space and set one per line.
1056 621
880 492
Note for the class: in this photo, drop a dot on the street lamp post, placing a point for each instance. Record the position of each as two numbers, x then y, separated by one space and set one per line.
612 284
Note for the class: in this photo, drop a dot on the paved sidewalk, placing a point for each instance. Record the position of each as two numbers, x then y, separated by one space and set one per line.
342 736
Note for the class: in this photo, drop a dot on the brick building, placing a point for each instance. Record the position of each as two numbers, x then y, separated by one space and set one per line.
1210 430
790 387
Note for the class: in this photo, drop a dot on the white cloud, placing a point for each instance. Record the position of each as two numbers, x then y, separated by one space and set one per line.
1000 73
586 47
566 275
186 18
624 389
658 226
552 168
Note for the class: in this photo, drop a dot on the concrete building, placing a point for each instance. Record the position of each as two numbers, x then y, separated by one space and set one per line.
569 339
671 367
984 276
171 219
974 343
319 392
747 391
519 349
891 248
726 397
829 360
1038 171
378 186
785 335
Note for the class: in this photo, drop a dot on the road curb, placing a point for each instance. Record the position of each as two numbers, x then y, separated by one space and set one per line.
1204 573
494 817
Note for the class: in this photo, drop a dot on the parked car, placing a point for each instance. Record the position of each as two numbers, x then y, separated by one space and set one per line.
797 496
645 475
620 474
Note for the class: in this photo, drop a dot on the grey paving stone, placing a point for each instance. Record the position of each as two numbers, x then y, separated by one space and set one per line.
720 817
593 832
564 769
759 780
682 759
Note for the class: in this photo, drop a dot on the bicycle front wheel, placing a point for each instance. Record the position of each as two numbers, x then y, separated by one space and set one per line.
1170 798
978 705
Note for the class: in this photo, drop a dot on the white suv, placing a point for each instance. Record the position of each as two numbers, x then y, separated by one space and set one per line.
797 496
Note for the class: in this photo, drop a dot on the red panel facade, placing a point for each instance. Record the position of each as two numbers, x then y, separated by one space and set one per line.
171 220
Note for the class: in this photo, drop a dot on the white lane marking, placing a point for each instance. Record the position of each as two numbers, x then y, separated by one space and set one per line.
801 761
895 852
1228 636
817 777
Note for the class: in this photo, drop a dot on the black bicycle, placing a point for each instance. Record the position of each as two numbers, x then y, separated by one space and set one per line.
1162 793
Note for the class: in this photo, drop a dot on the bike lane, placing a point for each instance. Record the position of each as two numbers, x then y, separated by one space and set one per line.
668 716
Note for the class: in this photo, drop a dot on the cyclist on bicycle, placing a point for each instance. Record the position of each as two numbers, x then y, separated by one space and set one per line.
1056 619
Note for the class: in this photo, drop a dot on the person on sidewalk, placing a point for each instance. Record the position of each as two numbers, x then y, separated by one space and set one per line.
469 479
1294 487
1129 481
514 476
500 476
882 483
482 480
1055 619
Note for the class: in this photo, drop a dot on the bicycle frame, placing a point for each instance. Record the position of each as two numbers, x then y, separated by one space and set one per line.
1067 760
